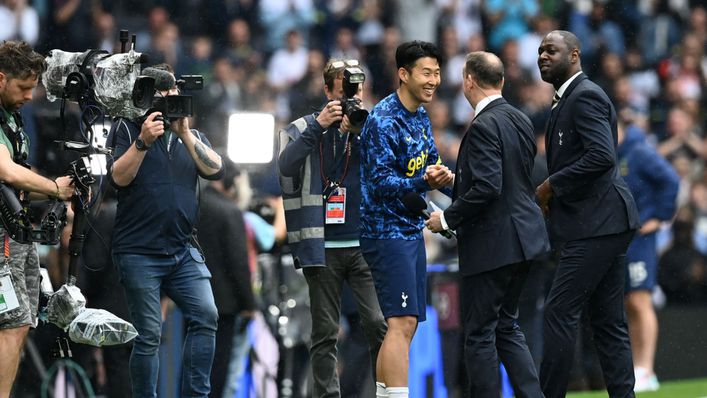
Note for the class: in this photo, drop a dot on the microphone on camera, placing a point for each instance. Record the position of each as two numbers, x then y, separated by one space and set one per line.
164 81
415 204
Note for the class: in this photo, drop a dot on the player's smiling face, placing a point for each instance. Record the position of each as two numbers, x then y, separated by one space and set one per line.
423 79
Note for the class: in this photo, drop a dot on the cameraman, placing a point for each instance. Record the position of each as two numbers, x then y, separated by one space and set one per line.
156 172
319 175
20 68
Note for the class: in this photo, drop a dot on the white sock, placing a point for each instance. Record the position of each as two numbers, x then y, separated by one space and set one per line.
397 392
380 390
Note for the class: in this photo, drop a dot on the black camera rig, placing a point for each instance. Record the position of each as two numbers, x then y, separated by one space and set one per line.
16 216
17 222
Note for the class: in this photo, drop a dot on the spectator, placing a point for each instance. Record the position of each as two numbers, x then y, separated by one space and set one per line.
464 16
682 269
20 21
684 136
508 19
597 34
289 64
239 47
659 32
280 17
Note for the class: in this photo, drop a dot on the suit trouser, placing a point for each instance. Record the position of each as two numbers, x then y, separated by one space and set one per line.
490 311
590 271
325 285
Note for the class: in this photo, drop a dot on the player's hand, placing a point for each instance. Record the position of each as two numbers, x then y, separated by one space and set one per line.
434 223
544 193
152 129
438 176
331 114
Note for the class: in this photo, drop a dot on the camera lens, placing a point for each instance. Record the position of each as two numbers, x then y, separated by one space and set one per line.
358 117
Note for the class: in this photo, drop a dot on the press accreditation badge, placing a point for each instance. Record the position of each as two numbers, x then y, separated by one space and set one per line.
8 297
336 207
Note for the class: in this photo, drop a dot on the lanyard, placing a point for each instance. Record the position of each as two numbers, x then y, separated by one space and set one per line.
347 151
7 250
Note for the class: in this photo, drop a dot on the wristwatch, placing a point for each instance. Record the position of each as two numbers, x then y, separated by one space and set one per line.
140 145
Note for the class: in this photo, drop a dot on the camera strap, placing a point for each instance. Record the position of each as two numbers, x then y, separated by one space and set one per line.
6 250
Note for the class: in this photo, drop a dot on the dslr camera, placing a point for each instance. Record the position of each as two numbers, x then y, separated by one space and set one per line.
350 105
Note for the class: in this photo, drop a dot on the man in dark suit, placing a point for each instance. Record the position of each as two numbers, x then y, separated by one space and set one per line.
500 229
592 218
222 235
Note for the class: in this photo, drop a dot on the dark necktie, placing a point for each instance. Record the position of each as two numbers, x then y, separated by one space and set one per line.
555 100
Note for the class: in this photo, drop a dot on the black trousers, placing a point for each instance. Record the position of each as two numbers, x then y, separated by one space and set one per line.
590 272
490 311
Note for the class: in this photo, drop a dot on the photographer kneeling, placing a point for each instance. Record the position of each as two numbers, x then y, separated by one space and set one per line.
20 68
156 172
320 179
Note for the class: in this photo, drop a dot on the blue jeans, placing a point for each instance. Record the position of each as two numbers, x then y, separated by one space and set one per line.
185 279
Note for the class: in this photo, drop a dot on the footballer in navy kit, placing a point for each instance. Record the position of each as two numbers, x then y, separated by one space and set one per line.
398 156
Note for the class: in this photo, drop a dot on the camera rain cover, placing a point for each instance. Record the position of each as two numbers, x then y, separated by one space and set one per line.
59 65
111 77
98 328
65 305
115 76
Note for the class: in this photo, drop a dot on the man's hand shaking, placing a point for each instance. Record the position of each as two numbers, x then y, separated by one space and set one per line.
438 176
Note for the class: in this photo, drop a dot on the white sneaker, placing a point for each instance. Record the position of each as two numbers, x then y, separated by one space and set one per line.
645 381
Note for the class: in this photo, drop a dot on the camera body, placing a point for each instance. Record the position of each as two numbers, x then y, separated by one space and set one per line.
172 107
350 105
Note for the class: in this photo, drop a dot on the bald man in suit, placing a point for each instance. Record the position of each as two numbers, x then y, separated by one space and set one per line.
592 218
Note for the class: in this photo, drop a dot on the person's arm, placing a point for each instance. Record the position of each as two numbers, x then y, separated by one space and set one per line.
206 160
591 122
64 13
129 158
485 160
378 156
22 178
664 180
278 206
300 144
294 155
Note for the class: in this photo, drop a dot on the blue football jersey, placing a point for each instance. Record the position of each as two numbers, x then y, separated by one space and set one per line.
396 148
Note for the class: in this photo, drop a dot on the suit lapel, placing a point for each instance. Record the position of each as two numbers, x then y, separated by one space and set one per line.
554 113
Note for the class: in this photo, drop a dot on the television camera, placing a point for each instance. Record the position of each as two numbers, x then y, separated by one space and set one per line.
152 81
102 84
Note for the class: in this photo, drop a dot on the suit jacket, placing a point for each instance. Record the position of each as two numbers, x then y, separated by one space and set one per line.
494 210
590 198
222 236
